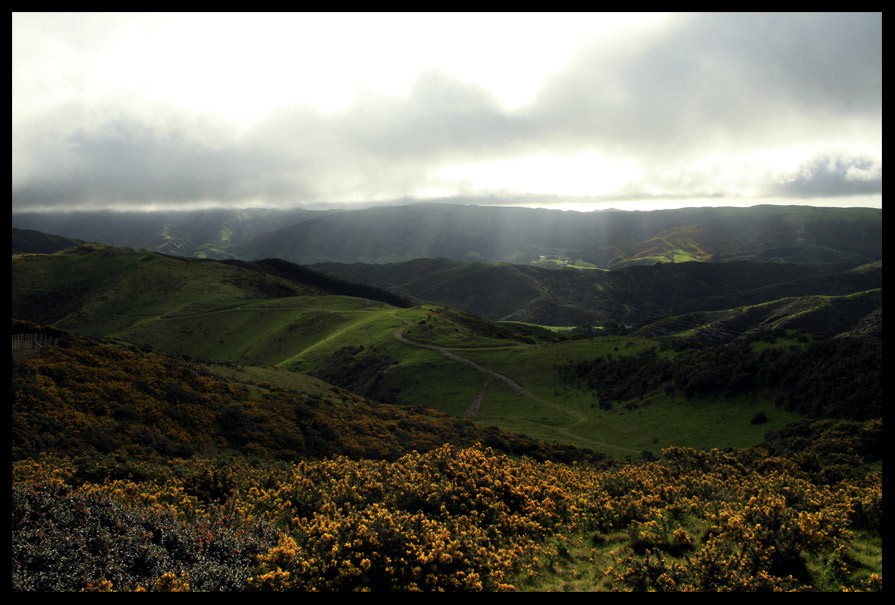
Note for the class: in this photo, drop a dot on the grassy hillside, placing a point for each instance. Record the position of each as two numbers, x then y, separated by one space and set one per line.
500 374
858 313
86 393
138 472
107 288
635 297
245 431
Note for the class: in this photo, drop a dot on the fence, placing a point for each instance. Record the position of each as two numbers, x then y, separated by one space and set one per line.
32 342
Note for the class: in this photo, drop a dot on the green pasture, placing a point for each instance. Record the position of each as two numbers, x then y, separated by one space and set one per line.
217 314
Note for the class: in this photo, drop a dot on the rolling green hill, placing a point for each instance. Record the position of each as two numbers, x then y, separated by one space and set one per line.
101 288
660 299
245 431
501 374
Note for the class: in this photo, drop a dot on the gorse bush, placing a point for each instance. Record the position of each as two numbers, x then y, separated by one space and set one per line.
464 519
135 472
85 395
66 539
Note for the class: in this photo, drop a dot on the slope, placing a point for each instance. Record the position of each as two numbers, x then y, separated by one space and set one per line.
30 240
200 233
223 313
632 296
88 393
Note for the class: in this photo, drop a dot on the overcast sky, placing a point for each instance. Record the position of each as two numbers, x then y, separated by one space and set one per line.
630 110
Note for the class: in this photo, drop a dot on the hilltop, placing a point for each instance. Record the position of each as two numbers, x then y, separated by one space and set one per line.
29 240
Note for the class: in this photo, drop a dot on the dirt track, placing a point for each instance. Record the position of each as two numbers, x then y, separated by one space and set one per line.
577 417
518 388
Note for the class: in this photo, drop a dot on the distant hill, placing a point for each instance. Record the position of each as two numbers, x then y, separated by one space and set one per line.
260 319
199 233
37 242
636 296
98 287
388 234
105 290
606 239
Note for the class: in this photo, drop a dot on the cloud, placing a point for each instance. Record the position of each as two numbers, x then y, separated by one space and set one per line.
687 108
721 81
831 176
123 158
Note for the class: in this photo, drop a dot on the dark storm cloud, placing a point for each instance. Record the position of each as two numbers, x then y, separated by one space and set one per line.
717 83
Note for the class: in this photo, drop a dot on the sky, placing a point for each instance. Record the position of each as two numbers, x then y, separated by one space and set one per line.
564 110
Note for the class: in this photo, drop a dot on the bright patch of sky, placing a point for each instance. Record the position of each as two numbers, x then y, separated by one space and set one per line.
298 109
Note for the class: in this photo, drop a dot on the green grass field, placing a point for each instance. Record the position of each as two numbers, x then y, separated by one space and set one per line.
300 333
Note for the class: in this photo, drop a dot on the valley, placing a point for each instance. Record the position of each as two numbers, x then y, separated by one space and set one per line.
436 302
573 420
425 355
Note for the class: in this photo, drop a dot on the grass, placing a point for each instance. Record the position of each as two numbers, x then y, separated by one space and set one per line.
566 414
206 310
274 376
300 333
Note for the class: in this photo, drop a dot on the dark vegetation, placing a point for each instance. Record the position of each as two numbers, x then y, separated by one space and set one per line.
358 370
326 283
828 378
134 471
32 241
87 394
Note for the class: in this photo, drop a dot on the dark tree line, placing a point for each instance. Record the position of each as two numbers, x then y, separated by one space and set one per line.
333 285
831 378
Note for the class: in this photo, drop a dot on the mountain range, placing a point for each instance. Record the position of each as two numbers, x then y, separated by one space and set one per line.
200 233
387 234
